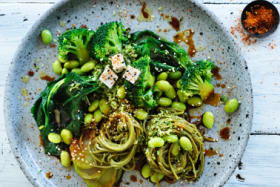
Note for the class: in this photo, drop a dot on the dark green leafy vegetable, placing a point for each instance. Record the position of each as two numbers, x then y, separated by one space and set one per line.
108 40
158 66
196 80
65 96
141 93
160 50
74 43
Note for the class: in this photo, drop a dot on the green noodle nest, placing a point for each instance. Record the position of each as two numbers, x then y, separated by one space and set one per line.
117 142
186 165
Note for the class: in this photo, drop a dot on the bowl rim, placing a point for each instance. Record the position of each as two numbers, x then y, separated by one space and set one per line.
22 163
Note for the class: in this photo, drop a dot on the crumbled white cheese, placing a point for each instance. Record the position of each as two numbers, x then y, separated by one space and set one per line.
108 77
131 74
118 63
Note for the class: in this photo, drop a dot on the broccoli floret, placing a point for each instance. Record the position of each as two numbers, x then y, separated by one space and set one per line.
205 67
196 80
108 40
141 93
74 43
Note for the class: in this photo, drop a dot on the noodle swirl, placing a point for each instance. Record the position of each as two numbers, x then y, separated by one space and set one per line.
187 165
117 142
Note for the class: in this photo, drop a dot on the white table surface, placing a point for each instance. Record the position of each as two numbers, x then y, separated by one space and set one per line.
261 161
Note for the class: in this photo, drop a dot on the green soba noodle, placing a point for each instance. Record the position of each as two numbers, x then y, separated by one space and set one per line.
187 165
117 142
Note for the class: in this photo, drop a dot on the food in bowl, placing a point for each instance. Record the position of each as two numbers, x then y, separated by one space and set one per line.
121 99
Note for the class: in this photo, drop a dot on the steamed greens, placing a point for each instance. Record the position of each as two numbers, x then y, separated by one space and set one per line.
66 95
164 54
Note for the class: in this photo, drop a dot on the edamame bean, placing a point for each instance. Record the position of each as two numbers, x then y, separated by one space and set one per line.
157 92
71 64
163 85
121 92
66 136
93 106
65 159
64 71
231 105
171 93
146 171
104 107
88 118
54 138
155 142
162 76
97 116
195 101
175 149
46 36
183 97
77 70
164 101
56 66
156 177
185 143
88 66
171 138
175 75
208 119
179 84
179 106
141 114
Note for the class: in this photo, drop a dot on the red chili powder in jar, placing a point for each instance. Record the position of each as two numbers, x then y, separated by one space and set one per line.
260 19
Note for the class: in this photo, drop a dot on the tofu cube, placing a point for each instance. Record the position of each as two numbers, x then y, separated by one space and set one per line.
108 77
131 74
118 63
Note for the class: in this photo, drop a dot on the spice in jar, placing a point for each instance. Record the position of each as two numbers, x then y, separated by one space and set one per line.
260 19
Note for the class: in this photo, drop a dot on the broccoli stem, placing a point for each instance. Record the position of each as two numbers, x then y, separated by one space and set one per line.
81 51
82 54
206 89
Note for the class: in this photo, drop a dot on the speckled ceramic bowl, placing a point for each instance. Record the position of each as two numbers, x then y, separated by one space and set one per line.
210 39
